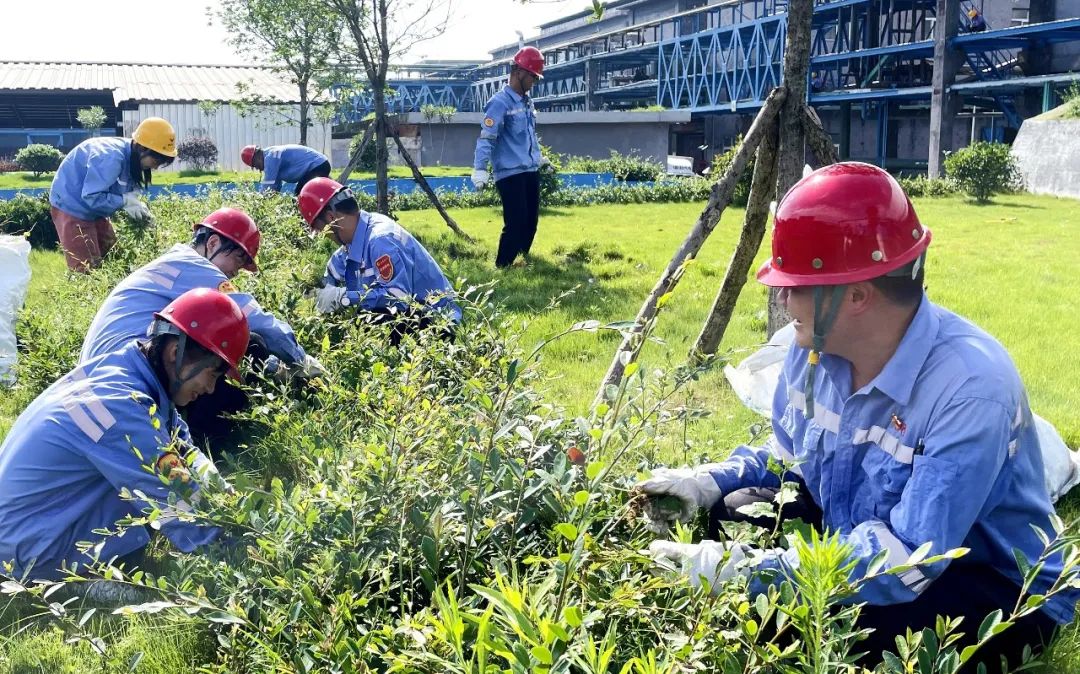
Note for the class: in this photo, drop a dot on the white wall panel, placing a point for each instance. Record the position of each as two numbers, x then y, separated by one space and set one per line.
229 130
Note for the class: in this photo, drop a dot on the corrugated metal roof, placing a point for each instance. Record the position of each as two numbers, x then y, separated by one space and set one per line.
146 82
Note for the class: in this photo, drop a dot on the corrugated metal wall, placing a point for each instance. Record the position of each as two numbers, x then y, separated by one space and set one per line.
229 130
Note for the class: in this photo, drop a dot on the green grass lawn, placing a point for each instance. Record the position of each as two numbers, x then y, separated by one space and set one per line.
1008 266
23 179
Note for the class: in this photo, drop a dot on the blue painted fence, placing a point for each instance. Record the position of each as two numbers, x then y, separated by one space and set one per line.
399 185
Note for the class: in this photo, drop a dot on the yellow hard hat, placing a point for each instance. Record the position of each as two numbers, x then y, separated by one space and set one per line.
154 133
972 13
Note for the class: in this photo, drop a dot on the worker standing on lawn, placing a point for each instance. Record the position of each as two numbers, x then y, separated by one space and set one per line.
105 443
225 242
901 423
100 177
286 164
388 274
508 142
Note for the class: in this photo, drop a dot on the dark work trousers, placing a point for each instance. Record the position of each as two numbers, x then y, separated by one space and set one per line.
206 415
968 591
520 196
320 171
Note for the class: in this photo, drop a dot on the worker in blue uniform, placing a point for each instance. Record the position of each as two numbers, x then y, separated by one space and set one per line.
335 268
388 274
225 242
105 443
902 424
100 177
508 142
286 164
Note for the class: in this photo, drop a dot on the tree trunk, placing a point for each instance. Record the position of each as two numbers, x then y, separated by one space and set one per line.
819 140
354 161
762 190
381 155
304 111
792 137
719 199
422 181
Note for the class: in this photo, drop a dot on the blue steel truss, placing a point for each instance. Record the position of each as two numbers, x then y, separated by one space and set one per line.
726 58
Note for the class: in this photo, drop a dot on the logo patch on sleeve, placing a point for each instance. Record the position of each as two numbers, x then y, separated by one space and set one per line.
226 287
385 266
489 122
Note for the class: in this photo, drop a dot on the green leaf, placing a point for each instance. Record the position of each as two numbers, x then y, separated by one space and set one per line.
572 616
920 553
594 469
761 605
512 371
630 370
581 498
542 654
567 531
1022 562
988 623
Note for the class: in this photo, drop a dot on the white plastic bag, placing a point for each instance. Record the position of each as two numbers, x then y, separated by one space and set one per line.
14 279
754 381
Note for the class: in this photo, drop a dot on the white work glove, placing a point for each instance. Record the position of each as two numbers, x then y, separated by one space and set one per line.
716 562
480 178
311 368
545 164
693 487
135 208
328 299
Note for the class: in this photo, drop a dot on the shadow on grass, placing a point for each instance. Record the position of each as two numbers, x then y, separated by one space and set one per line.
530 288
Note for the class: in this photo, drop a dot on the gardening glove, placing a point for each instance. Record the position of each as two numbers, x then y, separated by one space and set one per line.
545 164
480 178
328 299
675 494
135 208
311 368
715 562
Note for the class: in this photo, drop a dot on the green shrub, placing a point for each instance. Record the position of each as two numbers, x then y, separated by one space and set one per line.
549 176
367 160
39 158
425 508
29 216
720 164
1072 101
198 152
982 170
624 167
922 186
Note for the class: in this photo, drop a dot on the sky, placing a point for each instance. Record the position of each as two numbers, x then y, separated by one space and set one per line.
128 30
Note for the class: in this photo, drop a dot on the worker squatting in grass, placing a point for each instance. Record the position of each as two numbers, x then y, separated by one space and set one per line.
903 464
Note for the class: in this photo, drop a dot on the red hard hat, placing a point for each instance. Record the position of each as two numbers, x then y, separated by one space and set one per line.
316 195
843 223
214 321
248 153
238 227
530 59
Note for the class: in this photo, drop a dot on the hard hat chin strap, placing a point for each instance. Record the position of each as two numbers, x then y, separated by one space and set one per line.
823 321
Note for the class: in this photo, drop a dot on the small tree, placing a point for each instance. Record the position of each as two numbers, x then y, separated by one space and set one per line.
39 158
92 118
297 37
383 30
200 153
983 170
367 160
